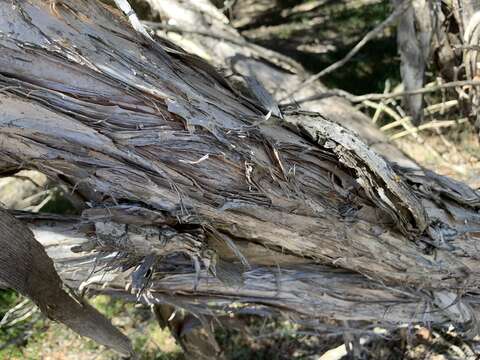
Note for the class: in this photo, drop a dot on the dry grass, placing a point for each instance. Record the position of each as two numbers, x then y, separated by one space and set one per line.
455 154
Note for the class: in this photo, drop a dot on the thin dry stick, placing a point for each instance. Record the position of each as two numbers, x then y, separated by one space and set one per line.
379 110
435 124
376 96
369 36
385 108
399 120
6 321
432 109
423 90
440 107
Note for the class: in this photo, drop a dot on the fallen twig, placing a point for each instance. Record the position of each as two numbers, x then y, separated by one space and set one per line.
434 124
376 96
432 109
380 108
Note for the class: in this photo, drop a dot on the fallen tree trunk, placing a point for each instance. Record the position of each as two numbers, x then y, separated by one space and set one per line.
186 178
325 291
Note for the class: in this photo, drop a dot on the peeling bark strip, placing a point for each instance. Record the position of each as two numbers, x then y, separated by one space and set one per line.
125 121
26 268
381 184
282 281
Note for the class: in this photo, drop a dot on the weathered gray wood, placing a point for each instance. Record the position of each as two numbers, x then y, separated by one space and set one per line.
323 291
186 179
26 268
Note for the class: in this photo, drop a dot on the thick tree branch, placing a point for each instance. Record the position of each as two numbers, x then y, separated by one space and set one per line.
127 121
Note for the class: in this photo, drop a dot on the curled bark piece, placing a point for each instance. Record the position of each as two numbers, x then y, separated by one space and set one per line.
375 175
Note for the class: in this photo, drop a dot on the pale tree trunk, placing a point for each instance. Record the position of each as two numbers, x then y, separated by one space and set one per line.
185 177
467 15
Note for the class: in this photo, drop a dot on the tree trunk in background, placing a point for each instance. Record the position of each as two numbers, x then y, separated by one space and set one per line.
196 200
415 31
467 16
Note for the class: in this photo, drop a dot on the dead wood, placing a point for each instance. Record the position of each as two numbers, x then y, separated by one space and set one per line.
26 268
204 203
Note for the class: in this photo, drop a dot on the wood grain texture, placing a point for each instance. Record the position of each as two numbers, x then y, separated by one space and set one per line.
297 213
26 268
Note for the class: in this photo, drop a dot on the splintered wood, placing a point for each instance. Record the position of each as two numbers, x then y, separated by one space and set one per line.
298 214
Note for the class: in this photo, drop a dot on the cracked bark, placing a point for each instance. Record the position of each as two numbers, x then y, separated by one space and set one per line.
26 268
196 201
